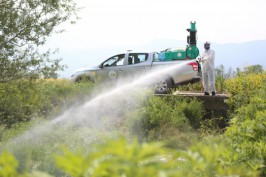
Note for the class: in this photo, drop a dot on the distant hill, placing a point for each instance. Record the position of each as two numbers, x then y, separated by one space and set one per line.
241 54
230 55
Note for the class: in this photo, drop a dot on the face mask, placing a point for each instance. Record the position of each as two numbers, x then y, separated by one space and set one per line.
207 46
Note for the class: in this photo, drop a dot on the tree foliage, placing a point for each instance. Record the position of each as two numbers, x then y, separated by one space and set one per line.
246 134
243 87
24 26
256 69
23 100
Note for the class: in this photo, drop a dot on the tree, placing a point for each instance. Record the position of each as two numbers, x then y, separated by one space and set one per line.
253 69
25 26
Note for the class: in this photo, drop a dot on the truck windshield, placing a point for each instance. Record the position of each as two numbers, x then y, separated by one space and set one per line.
117 60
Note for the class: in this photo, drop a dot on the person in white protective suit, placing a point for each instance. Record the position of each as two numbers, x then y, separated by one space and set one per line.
208 77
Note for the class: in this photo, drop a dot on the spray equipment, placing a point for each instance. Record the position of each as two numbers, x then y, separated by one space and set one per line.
192 38
189 52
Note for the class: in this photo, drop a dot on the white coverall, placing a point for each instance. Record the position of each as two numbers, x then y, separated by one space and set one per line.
208 78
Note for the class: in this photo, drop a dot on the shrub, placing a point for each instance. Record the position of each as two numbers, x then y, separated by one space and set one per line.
8 165
246 134
171 110
166 118
122 158
243 88
59 94
24 100
206 160
19 101
119 158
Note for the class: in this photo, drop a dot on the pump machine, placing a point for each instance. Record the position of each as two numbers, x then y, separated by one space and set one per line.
190 52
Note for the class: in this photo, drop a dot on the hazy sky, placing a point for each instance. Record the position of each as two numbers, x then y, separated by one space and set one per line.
106 23
116 22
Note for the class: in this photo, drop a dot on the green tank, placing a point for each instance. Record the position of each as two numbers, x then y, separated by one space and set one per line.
175 54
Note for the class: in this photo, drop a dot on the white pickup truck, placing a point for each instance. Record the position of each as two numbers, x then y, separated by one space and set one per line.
139 63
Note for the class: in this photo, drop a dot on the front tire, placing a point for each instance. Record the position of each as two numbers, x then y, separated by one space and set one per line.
163 86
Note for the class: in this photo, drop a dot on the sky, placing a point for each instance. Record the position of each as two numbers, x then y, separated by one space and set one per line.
117 23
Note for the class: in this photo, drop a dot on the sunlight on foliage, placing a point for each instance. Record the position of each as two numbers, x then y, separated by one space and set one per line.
243 87
119 158
206 160
8 165
246 136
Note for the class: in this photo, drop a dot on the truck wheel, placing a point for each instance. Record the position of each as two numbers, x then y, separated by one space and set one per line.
163 86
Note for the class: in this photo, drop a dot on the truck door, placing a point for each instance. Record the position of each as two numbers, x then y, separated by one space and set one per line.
112 68
137 64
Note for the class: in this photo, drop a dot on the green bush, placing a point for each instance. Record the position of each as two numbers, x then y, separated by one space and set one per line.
8 165
206 160
174 111
120 157
168 118
59 94
164 111
246 135
19 101
24 100
242 88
